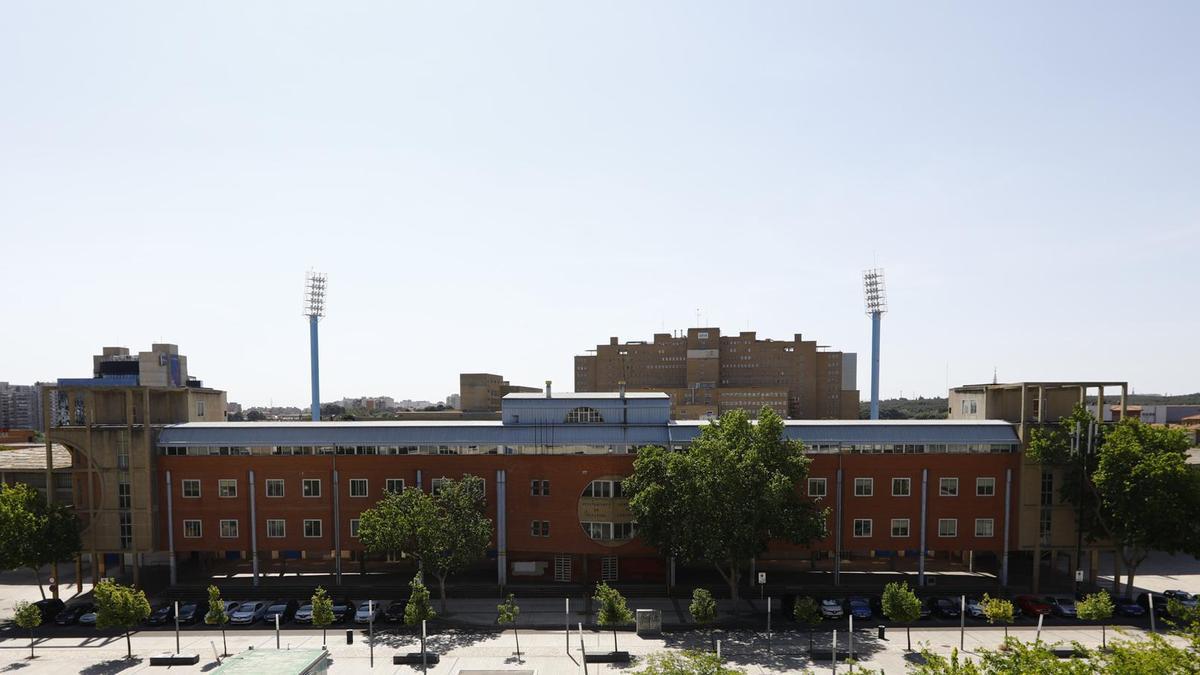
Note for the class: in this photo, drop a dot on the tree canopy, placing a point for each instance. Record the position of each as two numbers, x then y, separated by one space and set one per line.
900 604
703 608
121 607
727 496
687 663
34 533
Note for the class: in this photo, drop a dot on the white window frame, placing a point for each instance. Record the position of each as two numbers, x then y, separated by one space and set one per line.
282 528
390 482
991 525
869 529
221 528
366 485
199 529
979 483
267 483
183 488
354 528
941 532
942 491
305 482
907 527
223 483
320 528
823 482
870 485
539 487
200 408
907 486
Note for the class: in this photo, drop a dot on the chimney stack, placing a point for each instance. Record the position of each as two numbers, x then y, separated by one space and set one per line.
548 389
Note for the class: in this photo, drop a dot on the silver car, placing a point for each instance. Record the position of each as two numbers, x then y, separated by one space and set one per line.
831 608
367 613
250 611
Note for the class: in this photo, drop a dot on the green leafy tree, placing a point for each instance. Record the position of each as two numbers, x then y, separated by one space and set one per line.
687 663
216 615
613 611
28 616
121 607
1153 654
998 610
703 608
446 532
506 614
418 608
900 604
322 610
724 499
33 533
1096 607
807 613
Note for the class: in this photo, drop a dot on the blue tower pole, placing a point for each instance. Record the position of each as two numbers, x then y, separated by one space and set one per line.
875 317
316 371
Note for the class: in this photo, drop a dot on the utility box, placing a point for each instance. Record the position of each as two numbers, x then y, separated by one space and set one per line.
649 621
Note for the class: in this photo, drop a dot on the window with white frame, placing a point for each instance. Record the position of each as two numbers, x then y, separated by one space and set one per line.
600 531
864 487
395 485
947 527
900 527
312 528
354 528
358 487
191 488
608 568
274 487
985 527
229 529
817 487
199 407
539 487
603 488
985 486
310 487
862 527
276 528
948 487
192 529
435 485
901 487
227 487
539 528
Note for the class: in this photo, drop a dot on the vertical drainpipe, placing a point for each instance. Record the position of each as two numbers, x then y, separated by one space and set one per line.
837 532
337 528
253 531
1007 507
418 479
170 529
501 528
921 553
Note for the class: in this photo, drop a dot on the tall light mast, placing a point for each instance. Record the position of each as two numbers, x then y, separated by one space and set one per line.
314 309
875 295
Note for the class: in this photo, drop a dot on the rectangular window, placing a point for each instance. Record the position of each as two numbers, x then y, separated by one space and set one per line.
395 485
191 488
124 498
598 531
539 528
899 527
126 529
192 529
354 528
817 487
902 487
1047 496
358 487
948 487
539 488
435 485
608 568
276 528
985 527
864 487
274 487
862 527
985 487
599 488
310 487
227 487
312 528
562 568
199 407
947 527
229 529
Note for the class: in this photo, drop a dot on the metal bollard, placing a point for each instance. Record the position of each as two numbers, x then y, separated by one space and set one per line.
350 636
882 631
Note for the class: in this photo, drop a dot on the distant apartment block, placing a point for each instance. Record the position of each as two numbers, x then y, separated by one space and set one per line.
20 406
481 392
706 374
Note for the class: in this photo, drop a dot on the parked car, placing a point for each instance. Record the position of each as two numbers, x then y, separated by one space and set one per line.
946 607
1182 597
1061 605
925 612
50 607
860 607
831 608
304 614
161 614
975 608
1032 606
395 611
1160 603
71 613
192 611
88 618
342 610
285 609
231 606
369 610
1127 607
250 611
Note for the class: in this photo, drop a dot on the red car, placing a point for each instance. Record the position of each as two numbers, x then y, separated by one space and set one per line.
1032 606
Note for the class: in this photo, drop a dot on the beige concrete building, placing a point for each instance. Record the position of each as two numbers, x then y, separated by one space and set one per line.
706 374
109 423
481 392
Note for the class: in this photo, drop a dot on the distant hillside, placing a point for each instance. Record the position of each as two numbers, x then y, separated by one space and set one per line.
919 408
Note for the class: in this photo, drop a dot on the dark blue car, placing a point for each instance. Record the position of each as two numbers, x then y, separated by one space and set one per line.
860 607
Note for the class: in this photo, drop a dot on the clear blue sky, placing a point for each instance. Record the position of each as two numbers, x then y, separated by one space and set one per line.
499 186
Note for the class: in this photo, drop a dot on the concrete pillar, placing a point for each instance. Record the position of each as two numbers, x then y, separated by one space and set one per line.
1124 399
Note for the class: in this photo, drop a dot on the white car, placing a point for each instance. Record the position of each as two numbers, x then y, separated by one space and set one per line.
975 608
250 611
831 608
366 613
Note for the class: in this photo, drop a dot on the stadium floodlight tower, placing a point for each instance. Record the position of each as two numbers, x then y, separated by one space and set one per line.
314 309
876 299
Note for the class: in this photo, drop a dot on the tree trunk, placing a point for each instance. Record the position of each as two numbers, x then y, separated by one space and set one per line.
224 645
614 639
1103 638
323 641
908 636
442 585
517 635
810 647
38 576
128 645
31 642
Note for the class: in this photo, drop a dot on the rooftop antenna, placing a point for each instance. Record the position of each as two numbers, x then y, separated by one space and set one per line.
314 309
875 297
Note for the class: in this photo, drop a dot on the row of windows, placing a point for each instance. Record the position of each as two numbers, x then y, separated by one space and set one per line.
947 527
276 528
610 531
274 487
985 486
563 449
